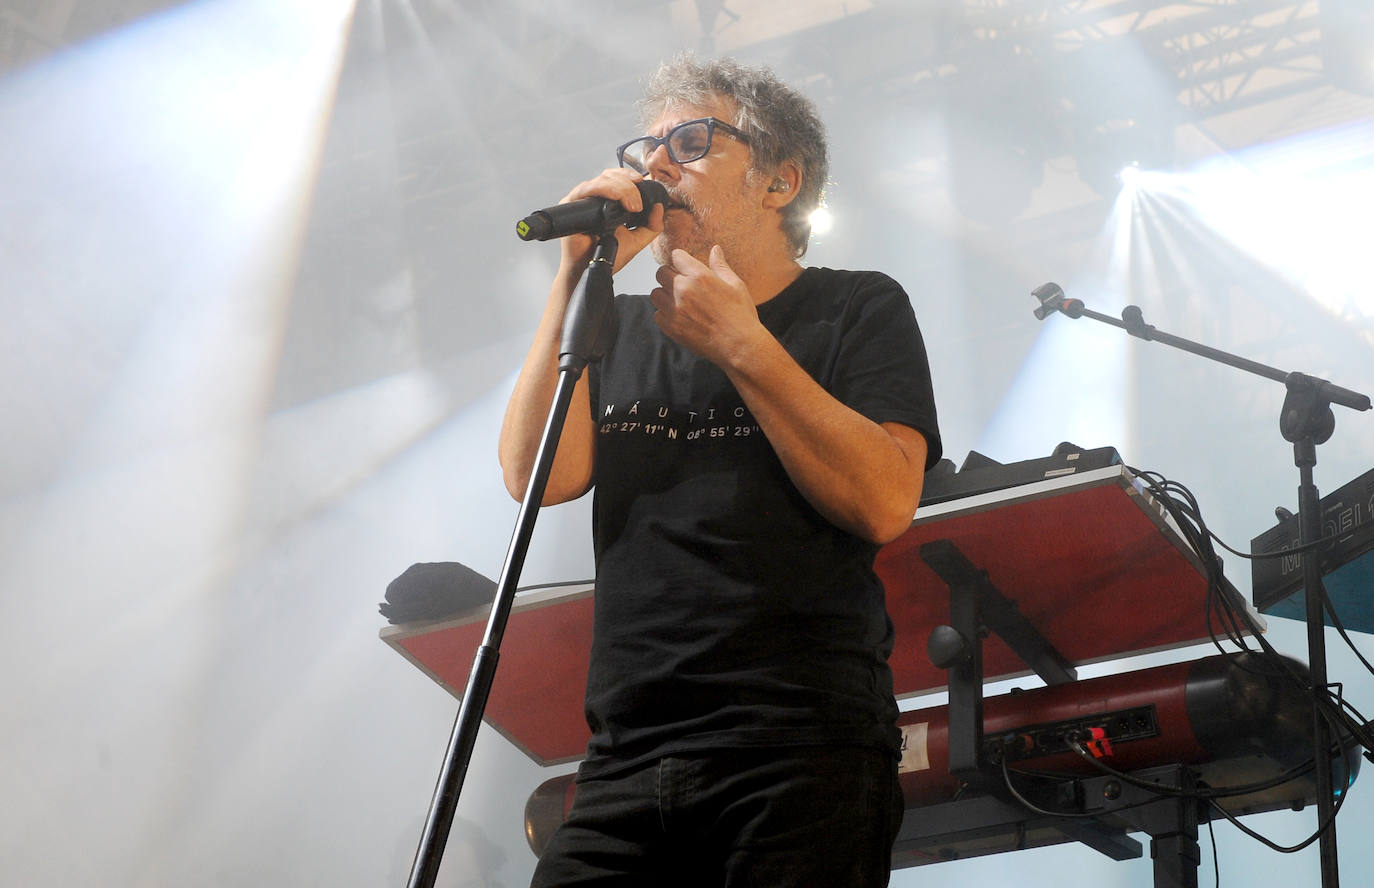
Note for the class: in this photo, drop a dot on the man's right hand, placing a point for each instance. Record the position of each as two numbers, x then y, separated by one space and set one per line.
617 184
522 429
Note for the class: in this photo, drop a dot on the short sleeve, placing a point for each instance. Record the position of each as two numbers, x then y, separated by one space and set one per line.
881 369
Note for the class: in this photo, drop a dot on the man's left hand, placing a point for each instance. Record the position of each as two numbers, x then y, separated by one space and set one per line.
705 307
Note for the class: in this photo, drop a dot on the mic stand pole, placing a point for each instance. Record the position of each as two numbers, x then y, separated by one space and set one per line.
1306 421
586 332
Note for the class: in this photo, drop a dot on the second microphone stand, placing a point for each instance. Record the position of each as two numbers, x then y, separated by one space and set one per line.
1306 421
587 329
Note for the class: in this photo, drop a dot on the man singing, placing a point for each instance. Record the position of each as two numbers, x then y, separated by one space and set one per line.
755 431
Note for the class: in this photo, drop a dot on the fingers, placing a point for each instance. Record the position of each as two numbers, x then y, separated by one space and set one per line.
721 267
615 183
703 306
684 274
619 185
656 217
661 299
684 262
632 240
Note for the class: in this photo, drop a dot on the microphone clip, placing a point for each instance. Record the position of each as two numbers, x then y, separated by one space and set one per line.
1052 299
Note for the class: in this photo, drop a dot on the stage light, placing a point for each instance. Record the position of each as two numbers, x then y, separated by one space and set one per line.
1122 111
821 220
1296 207
1112 156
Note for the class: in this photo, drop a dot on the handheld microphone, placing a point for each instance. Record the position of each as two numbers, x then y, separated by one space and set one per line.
590 215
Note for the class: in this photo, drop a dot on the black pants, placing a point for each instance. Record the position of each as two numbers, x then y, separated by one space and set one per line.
807 817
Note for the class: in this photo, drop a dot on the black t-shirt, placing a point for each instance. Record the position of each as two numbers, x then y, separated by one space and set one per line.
728 611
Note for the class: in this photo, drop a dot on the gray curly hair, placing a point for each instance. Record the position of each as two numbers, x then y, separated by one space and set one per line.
780 123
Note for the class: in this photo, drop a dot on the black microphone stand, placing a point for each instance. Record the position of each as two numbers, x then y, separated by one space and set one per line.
587 330
1305 421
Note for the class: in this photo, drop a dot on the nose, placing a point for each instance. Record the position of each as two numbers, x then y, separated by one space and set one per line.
661 166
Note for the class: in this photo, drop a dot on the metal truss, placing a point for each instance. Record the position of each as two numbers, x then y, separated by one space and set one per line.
1225 55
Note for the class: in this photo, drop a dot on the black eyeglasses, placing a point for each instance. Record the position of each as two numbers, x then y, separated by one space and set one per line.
686 142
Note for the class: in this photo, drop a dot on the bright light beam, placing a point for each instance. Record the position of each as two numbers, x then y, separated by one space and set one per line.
157 183
1299 207
821 221
1070 386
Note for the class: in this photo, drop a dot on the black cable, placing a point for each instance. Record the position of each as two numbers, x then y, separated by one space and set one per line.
1187 517
1182 506
1353 721
1200 794
1327 605
1283 849
1283 553
1209 796
1029 805
1006 778
1188 520
1214 792
1340 629
1210 799
1234 623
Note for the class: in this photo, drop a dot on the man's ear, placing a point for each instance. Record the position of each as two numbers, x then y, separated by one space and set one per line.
783 186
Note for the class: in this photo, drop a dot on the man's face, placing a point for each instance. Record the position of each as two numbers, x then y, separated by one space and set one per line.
714 200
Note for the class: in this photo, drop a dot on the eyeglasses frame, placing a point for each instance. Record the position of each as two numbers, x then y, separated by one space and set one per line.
712 124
